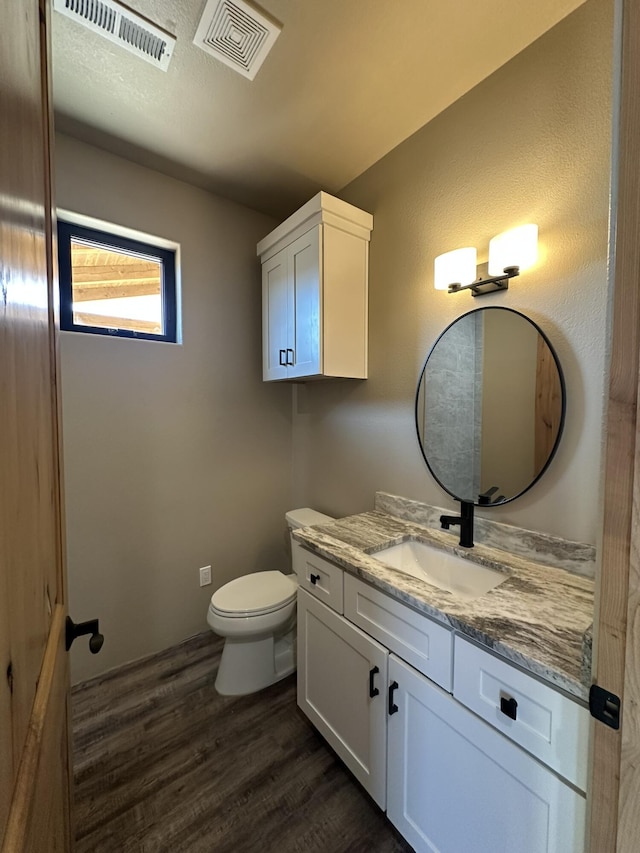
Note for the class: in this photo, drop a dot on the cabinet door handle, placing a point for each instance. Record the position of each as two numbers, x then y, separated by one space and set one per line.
283 363
314 579
392 706
509 706
373 691
292 362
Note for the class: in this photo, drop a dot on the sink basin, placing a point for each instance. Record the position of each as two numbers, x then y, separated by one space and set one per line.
447 571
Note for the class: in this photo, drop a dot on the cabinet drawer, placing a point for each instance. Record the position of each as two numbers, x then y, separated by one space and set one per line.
318 576
420 641
549 725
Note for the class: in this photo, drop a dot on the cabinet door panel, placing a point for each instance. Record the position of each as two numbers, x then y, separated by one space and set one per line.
306 307
456 784
427 646
275 306
319 577
335 660
549 725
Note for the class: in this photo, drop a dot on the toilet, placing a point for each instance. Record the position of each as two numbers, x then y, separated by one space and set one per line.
256 614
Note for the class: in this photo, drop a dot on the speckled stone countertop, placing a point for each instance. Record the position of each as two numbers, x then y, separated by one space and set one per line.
539 618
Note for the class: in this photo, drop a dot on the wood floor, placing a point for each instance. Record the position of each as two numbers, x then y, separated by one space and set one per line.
165 765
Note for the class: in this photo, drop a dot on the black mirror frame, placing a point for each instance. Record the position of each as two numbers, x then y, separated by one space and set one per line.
562 413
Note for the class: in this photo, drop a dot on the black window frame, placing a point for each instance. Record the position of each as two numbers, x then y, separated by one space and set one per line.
167 257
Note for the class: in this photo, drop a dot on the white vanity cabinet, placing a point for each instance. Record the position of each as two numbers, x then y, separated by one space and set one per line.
470 771
455 784
315 269
342 678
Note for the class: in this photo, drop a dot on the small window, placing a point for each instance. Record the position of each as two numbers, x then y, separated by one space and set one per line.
113 285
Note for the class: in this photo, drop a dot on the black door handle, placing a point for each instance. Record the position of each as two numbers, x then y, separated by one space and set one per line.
314 579
292 362
509 706
282 363
91 627
392 706
373 691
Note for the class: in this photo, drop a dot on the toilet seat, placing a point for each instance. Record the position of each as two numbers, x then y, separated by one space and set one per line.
255 594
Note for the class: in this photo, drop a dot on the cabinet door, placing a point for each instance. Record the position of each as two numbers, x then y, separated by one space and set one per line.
456 784
305 306
336 669
275 322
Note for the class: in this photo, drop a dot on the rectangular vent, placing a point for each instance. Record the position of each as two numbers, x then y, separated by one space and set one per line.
236 34
121 26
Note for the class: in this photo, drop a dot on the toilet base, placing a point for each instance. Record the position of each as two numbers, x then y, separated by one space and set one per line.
249 665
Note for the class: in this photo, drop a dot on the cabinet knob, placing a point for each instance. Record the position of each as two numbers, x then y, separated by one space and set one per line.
393 708
509 706
373 691
314 579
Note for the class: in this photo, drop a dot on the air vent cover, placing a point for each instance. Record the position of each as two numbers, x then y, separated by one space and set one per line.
121 26
236 34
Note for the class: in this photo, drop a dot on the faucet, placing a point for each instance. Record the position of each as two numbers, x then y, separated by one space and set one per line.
465 520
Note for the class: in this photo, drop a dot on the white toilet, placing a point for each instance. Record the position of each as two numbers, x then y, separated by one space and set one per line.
256 614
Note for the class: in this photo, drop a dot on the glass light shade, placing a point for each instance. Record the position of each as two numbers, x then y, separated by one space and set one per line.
515 248
456 267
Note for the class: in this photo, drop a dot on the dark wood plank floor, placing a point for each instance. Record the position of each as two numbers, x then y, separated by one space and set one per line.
164 764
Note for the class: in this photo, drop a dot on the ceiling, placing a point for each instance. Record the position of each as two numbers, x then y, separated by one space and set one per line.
346 81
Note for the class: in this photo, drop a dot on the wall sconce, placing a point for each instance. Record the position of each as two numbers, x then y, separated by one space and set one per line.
509 254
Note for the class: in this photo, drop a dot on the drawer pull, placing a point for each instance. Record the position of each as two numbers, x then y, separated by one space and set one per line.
393 708
314 579
373 691
282 363
509 706
292 362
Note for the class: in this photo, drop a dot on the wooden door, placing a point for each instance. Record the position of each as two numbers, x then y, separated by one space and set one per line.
614 792
336 680
34 757
456 784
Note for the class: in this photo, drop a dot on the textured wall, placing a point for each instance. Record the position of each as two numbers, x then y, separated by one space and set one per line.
176 457
529 144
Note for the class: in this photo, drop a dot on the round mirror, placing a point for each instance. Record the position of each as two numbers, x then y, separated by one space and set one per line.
490 406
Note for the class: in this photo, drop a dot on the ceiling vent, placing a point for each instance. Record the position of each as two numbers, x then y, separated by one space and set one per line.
121 26
236 34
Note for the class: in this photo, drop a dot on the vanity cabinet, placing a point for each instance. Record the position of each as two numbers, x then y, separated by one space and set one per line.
455 783
315 269
492 762
342 678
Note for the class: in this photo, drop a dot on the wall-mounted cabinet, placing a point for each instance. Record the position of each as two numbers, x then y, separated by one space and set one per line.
315 271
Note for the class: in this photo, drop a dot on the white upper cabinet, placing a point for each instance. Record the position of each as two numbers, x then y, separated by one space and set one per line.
315 270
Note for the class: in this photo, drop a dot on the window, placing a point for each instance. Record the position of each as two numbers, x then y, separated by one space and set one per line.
114 285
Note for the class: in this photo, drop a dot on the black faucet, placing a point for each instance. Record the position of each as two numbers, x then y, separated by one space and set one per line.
465 520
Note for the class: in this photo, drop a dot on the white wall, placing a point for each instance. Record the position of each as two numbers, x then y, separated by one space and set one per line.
529 144
176 457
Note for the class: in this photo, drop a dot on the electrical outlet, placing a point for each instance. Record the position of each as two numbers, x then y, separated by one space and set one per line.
205 575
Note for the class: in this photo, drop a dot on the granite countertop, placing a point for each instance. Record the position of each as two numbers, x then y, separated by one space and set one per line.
539 618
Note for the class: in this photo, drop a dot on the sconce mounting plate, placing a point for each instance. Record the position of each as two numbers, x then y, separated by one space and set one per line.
483 285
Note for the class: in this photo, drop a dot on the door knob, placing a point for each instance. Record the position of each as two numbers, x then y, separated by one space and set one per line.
73 630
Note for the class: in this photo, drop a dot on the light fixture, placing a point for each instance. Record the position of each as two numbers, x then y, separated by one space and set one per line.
509 254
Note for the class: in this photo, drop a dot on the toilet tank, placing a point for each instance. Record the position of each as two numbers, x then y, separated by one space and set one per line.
304 517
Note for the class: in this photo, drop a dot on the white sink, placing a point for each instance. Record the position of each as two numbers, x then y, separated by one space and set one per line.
447 571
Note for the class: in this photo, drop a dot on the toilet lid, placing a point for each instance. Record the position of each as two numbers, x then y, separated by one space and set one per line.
255 594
